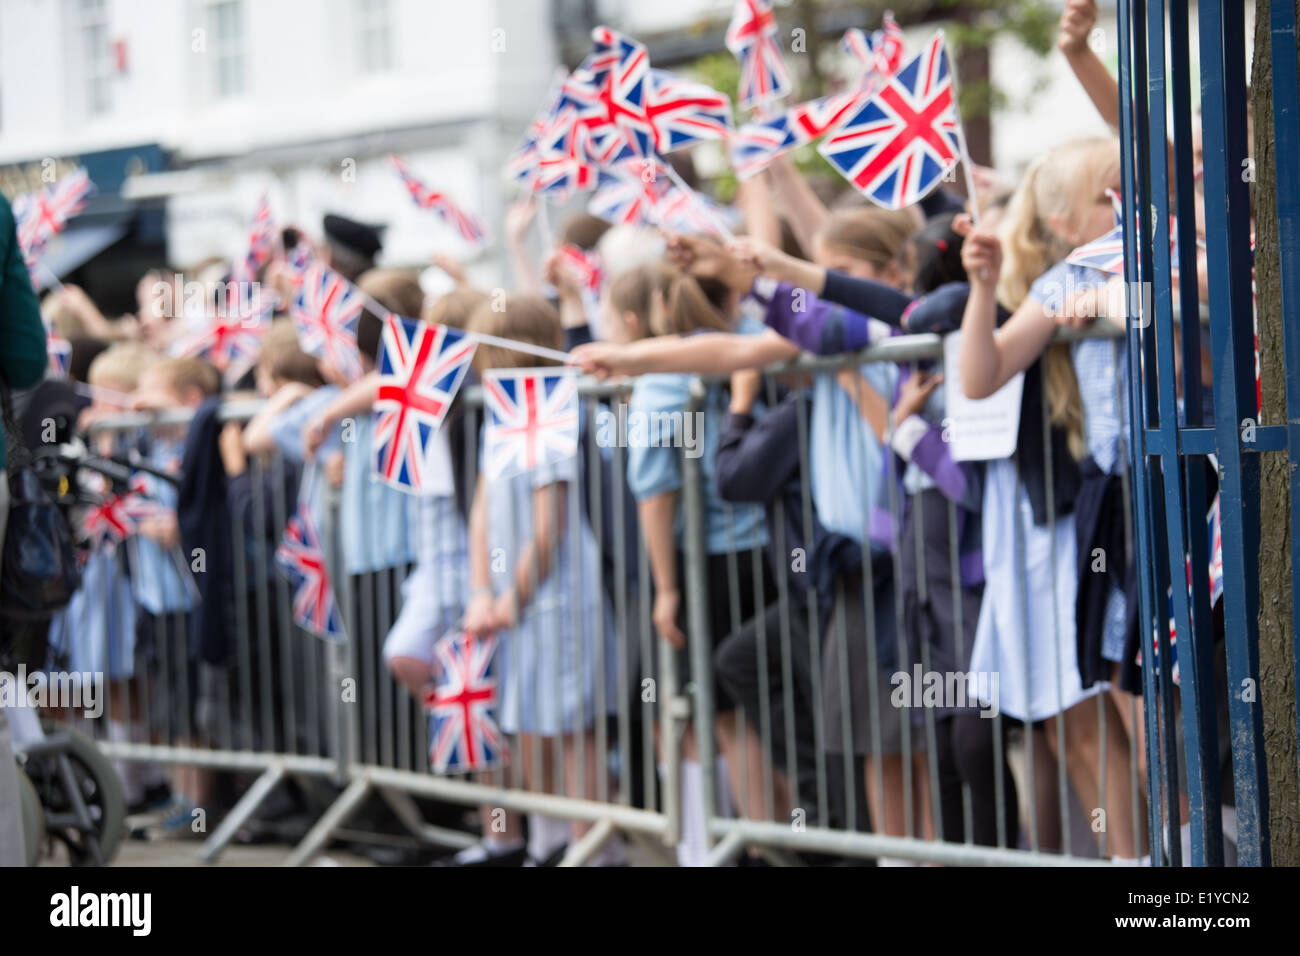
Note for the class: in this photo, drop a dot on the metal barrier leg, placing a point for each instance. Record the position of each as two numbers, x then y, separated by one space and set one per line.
727 849
590 844
240 812
409 814
331 820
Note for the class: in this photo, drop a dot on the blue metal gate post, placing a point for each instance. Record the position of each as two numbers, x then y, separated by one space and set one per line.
1227 228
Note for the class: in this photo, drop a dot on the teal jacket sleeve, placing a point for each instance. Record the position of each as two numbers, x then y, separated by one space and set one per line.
22 336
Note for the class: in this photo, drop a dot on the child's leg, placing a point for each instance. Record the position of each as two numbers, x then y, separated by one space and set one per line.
745 757
412 673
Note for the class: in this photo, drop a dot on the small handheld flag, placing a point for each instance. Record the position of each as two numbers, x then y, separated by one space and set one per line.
421 367
462 704
532 419
325 314
752 37
469 227
896 147
301 557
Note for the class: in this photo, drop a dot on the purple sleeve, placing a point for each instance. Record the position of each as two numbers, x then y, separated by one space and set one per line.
812 323
921 443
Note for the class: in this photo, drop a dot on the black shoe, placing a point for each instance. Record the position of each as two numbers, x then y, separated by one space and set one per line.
478 855
155 795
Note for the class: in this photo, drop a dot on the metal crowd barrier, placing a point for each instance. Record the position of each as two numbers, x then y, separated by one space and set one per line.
277 706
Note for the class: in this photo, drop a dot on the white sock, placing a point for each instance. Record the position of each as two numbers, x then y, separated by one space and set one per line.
497 844
545 835
895 861
693 850
1185 839
127 771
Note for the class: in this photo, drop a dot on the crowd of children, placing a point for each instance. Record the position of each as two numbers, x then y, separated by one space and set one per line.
840 542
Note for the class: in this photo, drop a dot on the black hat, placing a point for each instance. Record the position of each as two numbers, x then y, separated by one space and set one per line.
363 239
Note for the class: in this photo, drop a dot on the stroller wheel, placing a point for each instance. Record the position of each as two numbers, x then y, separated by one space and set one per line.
33 818
98 784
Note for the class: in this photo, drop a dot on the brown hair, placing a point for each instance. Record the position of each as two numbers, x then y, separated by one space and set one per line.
284 360
395 289
1052 186
185 373
584 230
665 300
454 308
120 365
525 318
867 233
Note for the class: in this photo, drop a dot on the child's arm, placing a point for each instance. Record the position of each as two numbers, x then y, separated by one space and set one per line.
919 442
754 197
657 515
1077 21
806 211
519 219
989 356
479 616
871 404
356 399
538 555
709 353
257 433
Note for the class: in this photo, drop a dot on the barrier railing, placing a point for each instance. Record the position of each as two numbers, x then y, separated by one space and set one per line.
281 704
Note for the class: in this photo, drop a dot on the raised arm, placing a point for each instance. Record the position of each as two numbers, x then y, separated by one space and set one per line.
708 353
990 356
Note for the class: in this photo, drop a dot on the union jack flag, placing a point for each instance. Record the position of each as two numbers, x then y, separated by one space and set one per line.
325 314
896 148
301 558
629 195
1215 529
532 419
585 267
470 229
421 367
59 351
609 93
681 112
751 36
878 55
117 516
564 164
463 730
260 236
40 216
1107 252
232 334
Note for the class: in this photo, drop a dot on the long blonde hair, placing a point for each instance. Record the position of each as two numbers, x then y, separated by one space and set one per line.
1057 184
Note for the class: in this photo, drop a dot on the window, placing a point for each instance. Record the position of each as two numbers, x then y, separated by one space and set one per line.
372 19
94 55
226 47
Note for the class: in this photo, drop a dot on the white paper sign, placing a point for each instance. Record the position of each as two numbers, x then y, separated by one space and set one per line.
983 429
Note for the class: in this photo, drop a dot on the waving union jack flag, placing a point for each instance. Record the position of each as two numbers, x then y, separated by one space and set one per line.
630 195
878 55
609 93
421 367
231 335
469 227
756 144
751 36
564 163
463 730
532 419
325 313
681 112
40 216
585 267
686 211
301 558
117 516
897 146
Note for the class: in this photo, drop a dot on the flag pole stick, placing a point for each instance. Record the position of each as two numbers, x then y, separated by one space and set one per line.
544 222
539 350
